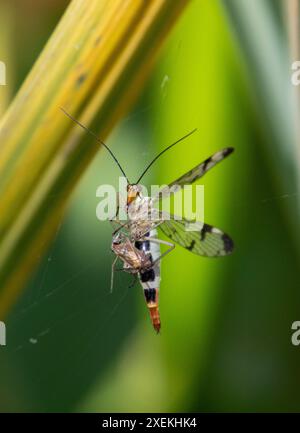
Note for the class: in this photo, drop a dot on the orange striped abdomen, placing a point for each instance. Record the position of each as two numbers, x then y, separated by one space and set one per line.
151 297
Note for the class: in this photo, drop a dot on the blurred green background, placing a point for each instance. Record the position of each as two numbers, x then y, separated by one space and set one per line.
226 333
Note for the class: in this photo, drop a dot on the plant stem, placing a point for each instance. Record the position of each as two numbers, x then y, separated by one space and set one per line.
93 66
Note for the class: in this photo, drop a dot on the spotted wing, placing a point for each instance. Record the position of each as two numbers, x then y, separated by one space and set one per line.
194 174
199 238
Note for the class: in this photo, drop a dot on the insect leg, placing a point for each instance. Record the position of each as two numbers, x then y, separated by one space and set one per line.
122 225
160 242
134 280
115 218
113 223
112 274
115 226
141 235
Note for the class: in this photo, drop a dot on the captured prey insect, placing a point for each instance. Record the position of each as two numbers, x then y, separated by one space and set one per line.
139 248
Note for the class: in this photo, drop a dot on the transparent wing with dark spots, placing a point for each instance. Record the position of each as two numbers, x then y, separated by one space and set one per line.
204 240
194 174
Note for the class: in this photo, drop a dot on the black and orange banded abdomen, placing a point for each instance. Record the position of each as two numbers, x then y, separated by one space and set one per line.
151 297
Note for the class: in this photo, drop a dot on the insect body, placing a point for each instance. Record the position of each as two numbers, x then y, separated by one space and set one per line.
135 242
150 277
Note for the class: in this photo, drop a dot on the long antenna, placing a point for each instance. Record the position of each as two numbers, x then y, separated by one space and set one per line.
163 151
97 138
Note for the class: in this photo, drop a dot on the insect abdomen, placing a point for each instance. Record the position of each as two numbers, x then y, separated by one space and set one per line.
151 296
150 277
